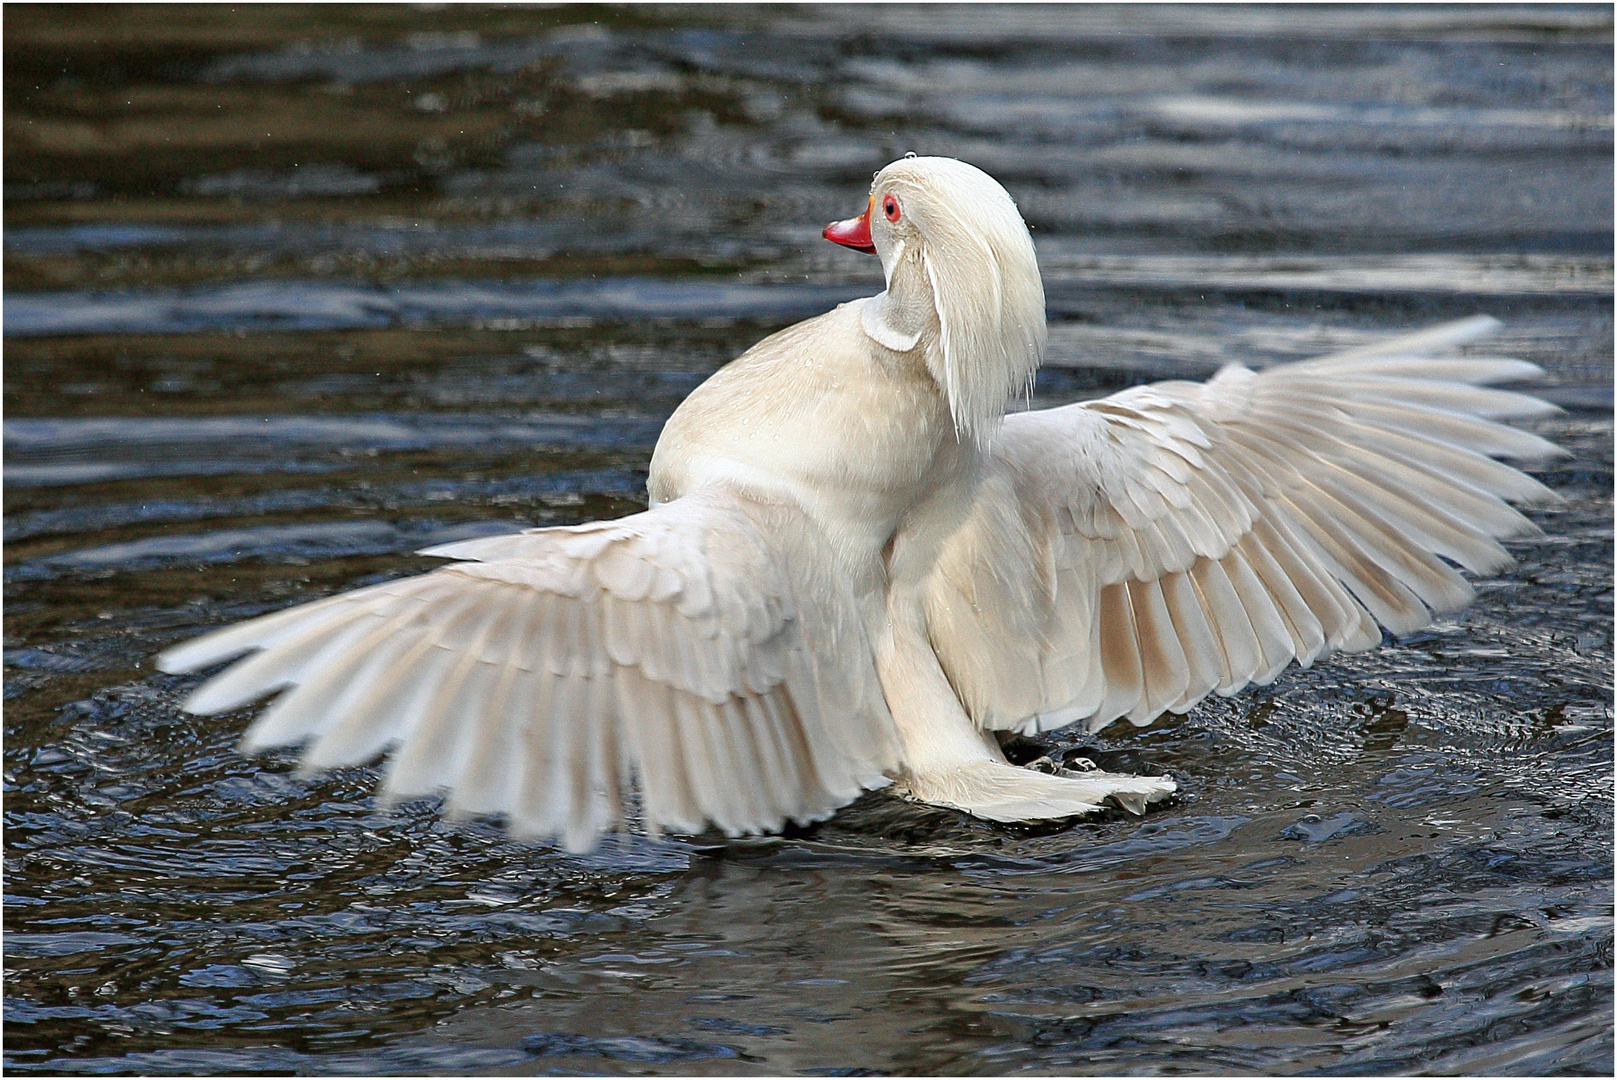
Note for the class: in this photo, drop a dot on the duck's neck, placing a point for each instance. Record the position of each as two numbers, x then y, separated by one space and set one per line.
980 340
903 318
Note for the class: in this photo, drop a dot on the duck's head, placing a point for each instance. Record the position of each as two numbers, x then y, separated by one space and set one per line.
962 282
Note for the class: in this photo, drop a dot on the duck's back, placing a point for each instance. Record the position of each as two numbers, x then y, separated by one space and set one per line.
818 414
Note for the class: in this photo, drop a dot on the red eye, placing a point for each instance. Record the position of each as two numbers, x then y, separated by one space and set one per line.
889 206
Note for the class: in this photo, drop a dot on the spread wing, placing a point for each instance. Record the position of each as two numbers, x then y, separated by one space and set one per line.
1131 555
702 652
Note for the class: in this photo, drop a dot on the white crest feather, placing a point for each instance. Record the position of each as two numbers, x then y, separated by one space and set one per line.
983 275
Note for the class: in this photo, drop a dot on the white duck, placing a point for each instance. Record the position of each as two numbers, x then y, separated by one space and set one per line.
857 569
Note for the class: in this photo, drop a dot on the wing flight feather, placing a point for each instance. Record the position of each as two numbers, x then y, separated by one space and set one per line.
696 656
1230 528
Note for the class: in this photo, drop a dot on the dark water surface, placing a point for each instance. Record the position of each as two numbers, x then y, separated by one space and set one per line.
290 293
